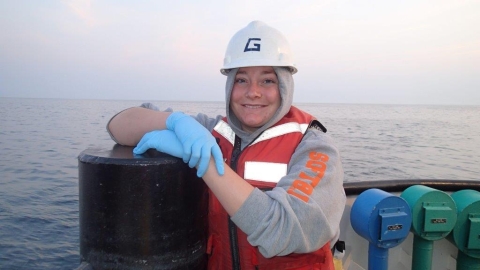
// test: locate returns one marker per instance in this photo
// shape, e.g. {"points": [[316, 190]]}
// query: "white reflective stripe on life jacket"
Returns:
{"points": [[265, 171], [281, 130], [226, 131]]}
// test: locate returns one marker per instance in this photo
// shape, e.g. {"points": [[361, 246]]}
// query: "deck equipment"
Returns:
{"points": [[384, 220], [466, 233], [434, 215]]}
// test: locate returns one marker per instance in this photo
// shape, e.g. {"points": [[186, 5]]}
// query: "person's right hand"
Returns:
{"points": [[198, 143], [164, 141]]}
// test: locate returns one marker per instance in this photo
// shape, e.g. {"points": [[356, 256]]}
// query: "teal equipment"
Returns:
{"points": [[466, 233], [384, 220], [434, 215]]}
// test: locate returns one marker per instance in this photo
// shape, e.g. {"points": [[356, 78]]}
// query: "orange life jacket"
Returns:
{"points": [[228, 247]]}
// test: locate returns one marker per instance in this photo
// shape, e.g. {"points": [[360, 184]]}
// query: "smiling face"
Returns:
{"points": [[255, 96]]}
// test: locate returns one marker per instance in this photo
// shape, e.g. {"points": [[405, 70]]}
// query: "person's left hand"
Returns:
{"points": [[164, 141], [199, 145]]}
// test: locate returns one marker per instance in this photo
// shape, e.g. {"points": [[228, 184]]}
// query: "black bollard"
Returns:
{"points": [[148, 212]]}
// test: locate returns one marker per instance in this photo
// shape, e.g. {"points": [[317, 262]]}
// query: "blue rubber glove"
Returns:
{"points": [[164, 141], [198, 143]]}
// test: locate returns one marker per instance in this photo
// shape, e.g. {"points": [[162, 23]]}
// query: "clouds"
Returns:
{"points": [[83, 9], [388, 52]]}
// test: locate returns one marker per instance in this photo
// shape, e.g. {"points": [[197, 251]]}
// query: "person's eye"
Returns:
{"points": [[240, 80], [269, 81]]}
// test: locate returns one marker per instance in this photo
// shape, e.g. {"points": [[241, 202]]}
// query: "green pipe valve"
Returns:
{"points": [[434, 215], [466, 233]]}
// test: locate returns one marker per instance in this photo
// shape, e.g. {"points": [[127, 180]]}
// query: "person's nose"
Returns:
{"points": [[254, 91]]}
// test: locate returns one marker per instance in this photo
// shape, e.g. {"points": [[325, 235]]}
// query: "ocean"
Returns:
{"points": [[40, 140]]}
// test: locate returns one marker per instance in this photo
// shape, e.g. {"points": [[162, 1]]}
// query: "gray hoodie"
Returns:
{"points": [[285, 87]]}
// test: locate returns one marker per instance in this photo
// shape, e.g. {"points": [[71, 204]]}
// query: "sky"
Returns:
{"points": [[370, 51]]}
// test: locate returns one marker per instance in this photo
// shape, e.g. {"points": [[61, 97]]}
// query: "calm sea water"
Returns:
{"points": [[40, 140]]}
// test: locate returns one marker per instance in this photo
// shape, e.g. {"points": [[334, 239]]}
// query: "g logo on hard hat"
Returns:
{"points": [[256, 46]]}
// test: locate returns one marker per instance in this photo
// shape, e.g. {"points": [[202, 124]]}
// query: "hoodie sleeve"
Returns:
{"points": [[291, 218]]}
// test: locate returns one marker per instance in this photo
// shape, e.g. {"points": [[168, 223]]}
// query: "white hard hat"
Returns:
{"points": [[258, 45]]}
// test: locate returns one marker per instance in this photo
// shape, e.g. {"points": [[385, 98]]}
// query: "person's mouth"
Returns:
{"points": [[252, 106]]}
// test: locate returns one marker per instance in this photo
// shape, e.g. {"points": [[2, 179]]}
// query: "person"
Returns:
{"points": [[275, 177]]}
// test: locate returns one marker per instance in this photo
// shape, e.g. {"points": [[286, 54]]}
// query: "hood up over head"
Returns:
{"points": [[285, 86]]}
